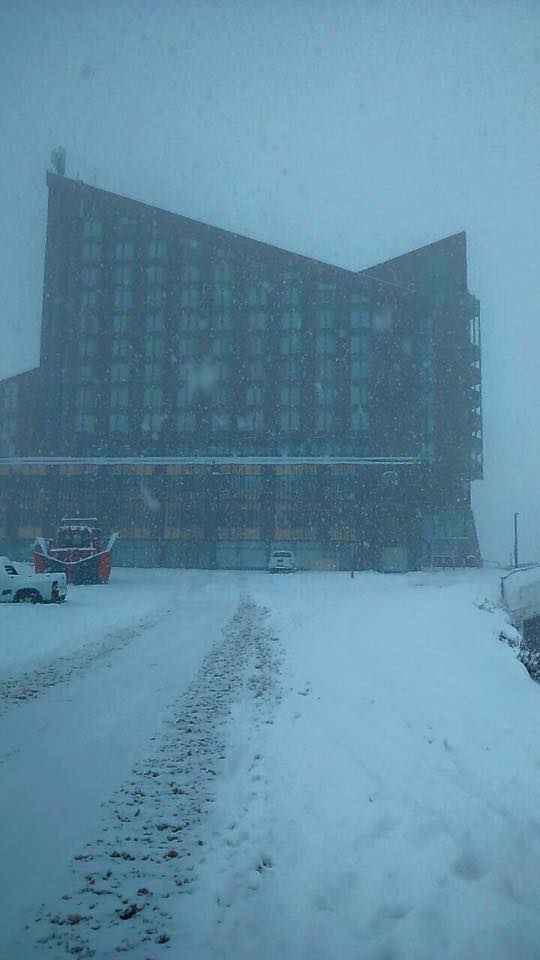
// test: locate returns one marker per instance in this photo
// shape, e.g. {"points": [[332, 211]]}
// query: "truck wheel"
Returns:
{"points": [[28, 596]]}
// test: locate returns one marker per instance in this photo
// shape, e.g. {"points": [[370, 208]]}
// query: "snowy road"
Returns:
{"points": [[235, 766]]}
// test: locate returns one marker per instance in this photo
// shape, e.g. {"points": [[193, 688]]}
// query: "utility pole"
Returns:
{"points": [[516, 553]]}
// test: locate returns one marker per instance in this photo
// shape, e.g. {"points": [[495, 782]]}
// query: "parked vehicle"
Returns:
{"points": [[18, 587], [77, 551], [282, 561]]}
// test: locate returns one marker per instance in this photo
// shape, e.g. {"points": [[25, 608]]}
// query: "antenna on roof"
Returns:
{"points": [[58, 160]]}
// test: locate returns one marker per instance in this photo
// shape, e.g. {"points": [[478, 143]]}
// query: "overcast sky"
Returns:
{"points": [[347, 131]]}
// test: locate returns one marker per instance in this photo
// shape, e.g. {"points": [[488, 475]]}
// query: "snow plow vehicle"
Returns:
{"points": [[18, 587], [77, 551]]}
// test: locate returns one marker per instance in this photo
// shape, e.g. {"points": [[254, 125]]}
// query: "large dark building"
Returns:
{"points": [[213, 396]]}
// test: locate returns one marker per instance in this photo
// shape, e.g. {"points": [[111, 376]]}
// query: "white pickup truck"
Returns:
{"points": [[18, 587]]}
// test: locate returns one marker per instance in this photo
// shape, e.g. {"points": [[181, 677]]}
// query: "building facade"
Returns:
{"points": [[213, 396]]}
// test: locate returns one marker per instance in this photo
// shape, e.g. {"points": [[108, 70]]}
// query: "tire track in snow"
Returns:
{"points": [[127, 881], [33, 683]]}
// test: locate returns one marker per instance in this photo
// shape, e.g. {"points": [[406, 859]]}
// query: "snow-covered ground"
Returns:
{"points": [[229, 765]]}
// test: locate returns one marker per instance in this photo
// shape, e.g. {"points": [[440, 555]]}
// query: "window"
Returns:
{"points": [[154, 348], [155, 274], [359, 318], [118, 423], [87, 373], [358, 419], [292, 293], [289, 420], [123, 298], [123, 276], [89, 277], [256, 321], [157, 250], [359, 369], [85, 398], [121, 348], [290, 395], [85, 423], [223, 322], [326, 293], [190, 274], [93, 229], [220, 421], [222, 296], [325, 420], [152, 397], [290, 343], [254, 395], [153, 372], [358, 343], [154, 323], [186, 421], [290, 369], [325, 319], [291, 320], [383, 320], [325, 343], [257, 294], [120, 323], [119, 372], [256, 345], [187, 347], [223, 272], [155, 296], [91, 252], [88, 300], [124, 250], [255, 370], [190, 297], [221, 346], [119, 398], [88, 323], [151, 422], [251, 421], [87, 349]]}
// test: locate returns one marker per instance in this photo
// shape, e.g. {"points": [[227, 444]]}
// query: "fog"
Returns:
{"points": [[347, 131]]}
